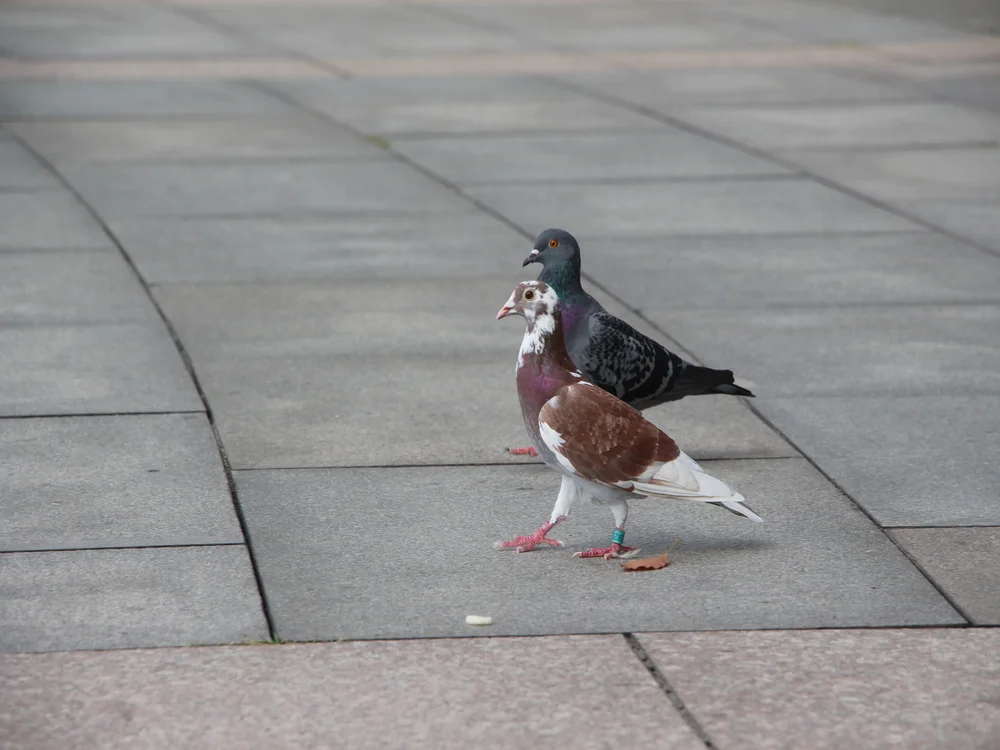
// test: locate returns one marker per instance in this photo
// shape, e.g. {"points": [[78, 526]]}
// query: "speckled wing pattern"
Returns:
{"points": [[626, 363], [601, 438]]}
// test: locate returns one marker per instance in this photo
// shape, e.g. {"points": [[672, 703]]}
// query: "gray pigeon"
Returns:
{"points": [[611, 353]]}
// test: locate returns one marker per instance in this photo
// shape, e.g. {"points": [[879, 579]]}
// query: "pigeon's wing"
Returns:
{"points": [[624, 362], [598, 437]]}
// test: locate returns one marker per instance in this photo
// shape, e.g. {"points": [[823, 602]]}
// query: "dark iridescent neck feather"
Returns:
{"points": [[564, 278]]}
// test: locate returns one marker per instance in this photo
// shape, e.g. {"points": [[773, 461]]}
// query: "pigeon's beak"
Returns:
{"points": [[505, 311], [533, 258]]}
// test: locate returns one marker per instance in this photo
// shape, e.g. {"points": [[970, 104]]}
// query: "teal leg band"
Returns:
{"points": [[618, 536]]}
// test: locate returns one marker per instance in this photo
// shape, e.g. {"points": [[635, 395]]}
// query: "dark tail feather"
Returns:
{"points": [[698, 381]]}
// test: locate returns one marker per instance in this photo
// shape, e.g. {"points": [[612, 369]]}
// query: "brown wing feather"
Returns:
{"points": [[604, 438]]}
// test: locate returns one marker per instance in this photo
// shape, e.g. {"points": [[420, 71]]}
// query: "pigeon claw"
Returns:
{"points": [[529, 451], [529, 542], [614, 552]]}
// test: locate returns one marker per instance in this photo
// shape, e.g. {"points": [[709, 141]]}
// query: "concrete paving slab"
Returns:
{"points": [[978, 220], [371, 695], [396, 107], [21, 170], [269, 188], [769, 206], [365, 30], [355, 373], [878, 450], [391, 246], [92, 369], [617, 26], [268, 138], [74, 287], [904, 175], [862, 351], [424, 543], [153, 99], [841, 126], [128, 598], [411, 382], [124, 481], [568, 157], [116, 30], [835, 23], [665, 90], [767, 271], [827, 690], [965, 563], [31, 221]]}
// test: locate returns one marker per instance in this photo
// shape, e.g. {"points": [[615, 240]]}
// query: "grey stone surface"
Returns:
{"points": [[152, 99], [392, 246], [423, 376], [383, 553], [965, 563], [365, 30], [21, 170], [265, 138], [832, 22], [919, 689], [118, 30], [355, 373], [123, 481], [128, 598], [468, 104], [845, 127], [371, 695], [902, 175], [927, 461], [977, 220], [621, 26], [270, 188], [92, 369], [665, 90], [769, 271], [569, 157], [51, 288], [858, 351], [47, 220], [739, 207]]}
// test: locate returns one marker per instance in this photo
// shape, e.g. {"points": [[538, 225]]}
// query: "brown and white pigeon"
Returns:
{"points": [[605, 449]]}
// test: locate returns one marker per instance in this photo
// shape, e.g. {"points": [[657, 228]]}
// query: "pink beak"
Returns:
{"points": [[504, 312]]}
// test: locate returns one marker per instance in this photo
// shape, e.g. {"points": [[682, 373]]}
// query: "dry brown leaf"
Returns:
{"points": [[650, 563]]}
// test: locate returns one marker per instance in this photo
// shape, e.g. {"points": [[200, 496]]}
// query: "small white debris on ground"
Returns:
{"points": [[478, 620]]}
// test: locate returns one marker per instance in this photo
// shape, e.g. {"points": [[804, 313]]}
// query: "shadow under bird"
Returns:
{"points": [[608, 351], [605, 449]]}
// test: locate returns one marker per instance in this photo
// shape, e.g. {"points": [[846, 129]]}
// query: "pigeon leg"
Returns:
{"points": [[529, 451], [617, 549], [568, 493]]}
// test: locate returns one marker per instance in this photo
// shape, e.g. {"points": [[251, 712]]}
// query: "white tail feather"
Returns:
{"points": [[709, 489]]}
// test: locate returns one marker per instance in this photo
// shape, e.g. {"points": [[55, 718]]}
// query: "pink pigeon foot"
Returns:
{"points": [[529, 451], [608, 553], [527, 543]]}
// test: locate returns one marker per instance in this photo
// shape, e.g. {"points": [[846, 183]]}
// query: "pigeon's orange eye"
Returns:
{"points": [[553, 243], [529, 295]]}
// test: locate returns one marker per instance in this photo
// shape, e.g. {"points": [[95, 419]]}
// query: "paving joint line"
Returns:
{"points": [[671, 693], [120, 547], [77, 415], [204, 19], [189, 366], [761, 153]]}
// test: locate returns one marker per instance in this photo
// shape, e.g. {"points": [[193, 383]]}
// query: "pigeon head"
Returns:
{"points": [[554, 247], [532, 300]]}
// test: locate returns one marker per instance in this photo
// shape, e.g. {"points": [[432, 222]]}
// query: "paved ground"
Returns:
{"points": [[251, 388]]}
